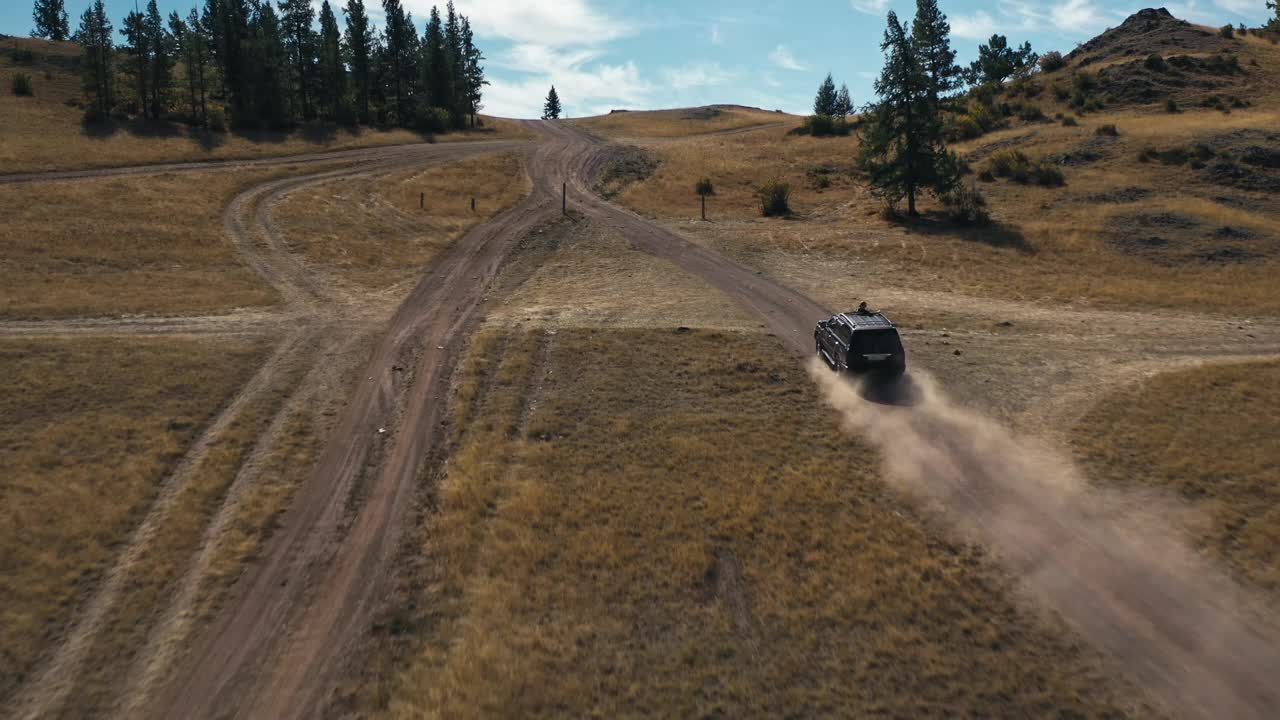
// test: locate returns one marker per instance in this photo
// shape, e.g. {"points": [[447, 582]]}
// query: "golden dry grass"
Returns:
{"points": [[111, 246], [681, 121], [652, 542], [88, 429], [44, 132], [1050, 244], [370, 231], [1209, 435]]}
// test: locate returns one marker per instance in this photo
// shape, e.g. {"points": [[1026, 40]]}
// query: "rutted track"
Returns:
{"points": [[279, 648]]}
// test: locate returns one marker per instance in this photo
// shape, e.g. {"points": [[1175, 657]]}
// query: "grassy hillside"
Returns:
{"points": [[681, 122], [44, 131]]}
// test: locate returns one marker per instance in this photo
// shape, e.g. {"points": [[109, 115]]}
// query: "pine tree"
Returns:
{"points": [[844, 103], [400, 40], [212, 22], [138, 51], [296, 19], [269, 81], [997, 62], [931, 37], [902, 152], [51, 20], [360, 54], [332, 73], [233, 23], [473, 75], [95, 39], [196, 52], [551, 109], [1274, 24], [435, 64], [457, 63], [825, 102], [160, 65]]}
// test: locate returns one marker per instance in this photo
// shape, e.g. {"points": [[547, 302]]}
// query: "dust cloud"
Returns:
{"points": [[1120, 575]]}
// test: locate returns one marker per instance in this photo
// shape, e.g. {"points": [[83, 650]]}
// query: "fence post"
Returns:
{"points": [[473, 204], [422, 198], [564, 198], [704, 206]]}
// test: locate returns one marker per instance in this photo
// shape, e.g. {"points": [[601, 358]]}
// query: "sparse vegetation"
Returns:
{"points": [[966, 206], [1107, 130], [1052, 61], [1069, 121], [21, 85], [775, 199], [1016, 166], [823, 126]]}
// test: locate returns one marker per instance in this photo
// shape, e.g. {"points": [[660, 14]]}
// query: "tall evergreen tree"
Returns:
{"points": [[825, 102], [51, 20], [455, 58], [235, 55], [296, 19], [138, 63], [400, 41], [332, 72], [998, 62], [551, 108], [359, 39], [1274, 23], [844, 103], [473, 75], [212, 22], [435, 63], [193, 47], [931, 37], [97, 46], [160, 61], [269, 81], [902, 152]]}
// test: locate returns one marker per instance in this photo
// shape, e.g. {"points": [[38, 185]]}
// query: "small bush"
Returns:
{"points": [[1155, 63], [703, 187], [1108, 130], [966, 206], [431, 120], [775, 199], [1171, 105], [1084, 81], [1060, 92], [1051, 61], [1069, 121], [1227, 31], [1030, 113], [1093, 104], [22, 85], [823, 126], [23, 56], [986, 176], [1016, 166], [217, 119], [963, 127]]}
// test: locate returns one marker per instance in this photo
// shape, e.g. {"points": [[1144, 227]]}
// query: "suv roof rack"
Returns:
{"points": [[876, 321]]}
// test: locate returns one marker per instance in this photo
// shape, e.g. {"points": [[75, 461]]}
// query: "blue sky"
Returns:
{"points": [[605, 54]]}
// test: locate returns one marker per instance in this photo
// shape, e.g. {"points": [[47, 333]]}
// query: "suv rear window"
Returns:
{"points": [[868, 342]]}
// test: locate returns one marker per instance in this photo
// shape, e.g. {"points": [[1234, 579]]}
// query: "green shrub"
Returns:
{"points": [[703, 187], [1030, 113], [1093, 104], [431, 120], [966, 206], [1171, 105], [823, 126], [22, 84], [1109, 130], [775, 199], [217, 119], [23, 56], [1154, 63], [1051, 61], [986, 176], [1016, 166], [1069, 121], [1060, 92], [1084, 81], [1227, 31], [963, 127]]}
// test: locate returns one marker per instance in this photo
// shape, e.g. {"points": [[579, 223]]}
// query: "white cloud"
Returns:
{"points": [[715, 35], [1078, 15], [783, 58], [871, 7], [978, 26], [553, 24], [1239, 7], [697, 75]]}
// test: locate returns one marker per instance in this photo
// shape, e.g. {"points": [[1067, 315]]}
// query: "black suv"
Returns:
{"points": [[862, 342]]}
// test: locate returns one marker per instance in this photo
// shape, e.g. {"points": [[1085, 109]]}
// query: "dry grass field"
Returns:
{"points": [[85, 447], [1207, 434], [371, 232], [681, 122], [623, 529], [126, 245], [45, 132]]}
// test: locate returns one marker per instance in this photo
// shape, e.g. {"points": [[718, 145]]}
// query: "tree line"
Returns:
{"points": [[269, 65]]}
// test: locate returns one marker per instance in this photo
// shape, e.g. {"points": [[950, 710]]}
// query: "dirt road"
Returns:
{"points": [[279, 647]]}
